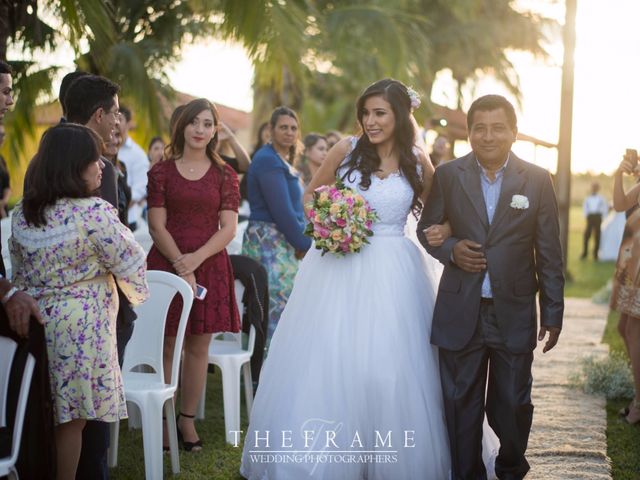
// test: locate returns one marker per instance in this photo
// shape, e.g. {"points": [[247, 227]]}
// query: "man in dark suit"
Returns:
{"points": [[92, 101], [503, 248]]}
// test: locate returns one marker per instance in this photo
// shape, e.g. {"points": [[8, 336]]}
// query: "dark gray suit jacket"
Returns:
{"points": [[522, 248]]}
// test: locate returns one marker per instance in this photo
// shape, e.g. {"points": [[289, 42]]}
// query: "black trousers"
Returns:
{"points": [[95, 435], [594, 221], [508, 401]]}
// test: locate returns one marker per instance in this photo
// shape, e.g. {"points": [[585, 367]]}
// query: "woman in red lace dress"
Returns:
{"points": [[193, 201]]}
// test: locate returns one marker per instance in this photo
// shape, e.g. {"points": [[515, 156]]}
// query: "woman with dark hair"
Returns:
{"points": [[314, 153], [263, 137], [274, 236], [155, 152], [68, 251], [193, 202], [333, 137], [352, 346]]}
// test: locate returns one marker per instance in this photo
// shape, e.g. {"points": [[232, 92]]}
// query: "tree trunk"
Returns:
{"points": [[563, 176]]}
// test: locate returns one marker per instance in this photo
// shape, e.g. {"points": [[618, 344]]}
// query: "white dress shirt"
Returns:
{"points": [[595, 204], [137, 163]]}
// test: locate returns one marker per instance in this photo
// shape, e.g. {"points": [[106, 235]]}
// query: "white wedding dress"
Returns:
{"points": [[351, 363]]}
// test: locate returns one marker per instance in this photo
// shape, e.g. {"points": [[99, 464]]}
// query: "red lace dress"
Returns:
{"points": [[193, 208]]}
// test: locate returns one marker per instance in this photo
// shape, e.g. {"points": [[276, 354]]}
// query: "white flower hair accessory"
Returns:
{"points": [[414, 98], [519, 202]]}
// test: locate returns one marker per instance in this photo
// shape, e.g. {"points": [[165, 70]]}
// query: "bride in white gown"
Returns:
{"points": [[351, 387]]}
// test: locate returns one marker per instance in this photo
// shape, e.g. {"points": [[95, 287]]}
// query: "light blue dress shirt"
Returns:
{"points": [[491, 194]]}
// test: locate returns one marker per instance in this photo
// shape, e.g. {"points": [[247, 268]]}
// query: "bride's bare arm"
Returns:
{"points": [[436, 234], [326, 174]]}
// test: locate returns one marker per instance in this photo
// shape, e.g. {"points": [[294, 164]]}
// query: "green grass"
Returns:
{"points": [[623, 441], [217, 460], [585, 277]]}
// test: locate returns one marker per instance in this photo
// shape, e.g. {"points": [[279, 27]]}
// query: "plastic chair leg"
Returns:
{"points": [[170, 413], [114, 432], [134, 421], [231, 397], [152, 439], [248, 388]]}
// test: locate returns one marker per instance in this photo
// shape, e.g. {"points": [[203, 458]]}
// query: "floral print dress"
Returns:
{"points": [[68, 266]]}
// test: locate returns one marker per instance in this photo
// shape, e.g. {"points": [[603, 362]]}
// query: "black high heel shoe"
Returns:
{"points": [[187, 446]]}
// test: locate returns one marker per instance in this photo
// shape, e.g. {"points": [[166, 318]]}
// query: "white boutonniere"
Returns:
{"points": [[519, 202]]}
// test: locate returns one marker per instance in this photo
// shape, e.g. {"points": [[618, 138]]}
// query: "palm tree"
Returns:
{"points": [[314, 55], [317, 55], [129, 41]]}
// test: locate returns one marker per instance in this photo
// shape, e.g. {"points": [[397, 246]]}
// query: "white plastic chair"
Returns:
{"points": [[7, 351], [225, 351], [147, 389]]}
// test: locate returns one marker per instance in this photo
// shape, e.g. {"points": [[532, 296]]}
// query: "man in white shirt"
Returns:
{"points": [[595, 208], [137, 163]]}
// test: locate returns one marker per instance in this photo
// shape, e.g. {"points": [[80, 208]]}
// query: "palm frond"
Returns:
{"points": [[30, 87]]}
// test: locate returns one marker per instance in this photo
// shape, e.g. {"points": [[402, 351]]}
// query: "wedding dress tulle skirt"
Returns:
{"points": [[350, 388]]}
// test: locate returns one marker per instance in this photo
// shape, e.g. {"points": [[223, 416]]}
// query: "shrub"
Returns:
{"points": [[609, 376]]}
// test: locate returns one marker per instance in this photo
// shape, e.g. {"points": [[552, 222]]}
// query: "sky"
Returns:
{"points": [[606, 96]]}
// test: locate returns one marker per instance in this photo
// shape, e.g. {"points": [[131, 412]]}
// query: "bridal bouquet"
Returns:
{"points": [[340, 219]]}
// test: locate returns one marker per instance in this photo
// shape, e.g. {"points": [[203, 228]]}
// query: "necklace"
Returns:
{"points": [[190, 169]]}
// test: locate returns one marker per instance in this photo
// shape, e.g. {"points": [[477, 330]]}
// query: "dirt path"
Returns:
{"points": [[568, 438]]}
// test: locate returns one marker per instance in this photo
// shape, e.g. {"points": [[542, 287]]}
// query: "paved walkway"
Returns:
{"points": [[568, 438]]}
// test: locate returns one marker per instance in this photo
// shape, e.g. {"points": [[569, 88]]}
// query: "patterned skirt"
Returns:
{"points": [[266, 244], [625, 296]]}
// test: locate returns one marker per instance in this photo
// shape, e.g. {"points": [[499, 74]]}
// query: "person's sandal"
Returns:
{"points": [[187, 446]]}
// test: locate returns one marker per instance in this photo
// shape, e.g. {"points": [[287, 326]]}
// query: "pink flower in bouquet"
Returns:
{"points": [[340, 219], [324, 232]]}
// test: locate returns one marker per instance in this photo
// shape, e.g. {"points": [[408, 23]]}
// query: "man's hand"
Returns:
{"points": [[554, 333], [19, 309], [467, 256]]}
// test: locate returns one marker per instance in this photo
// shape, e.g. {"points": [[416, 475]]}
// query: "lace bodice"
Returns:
{"points": [[390, 197]]}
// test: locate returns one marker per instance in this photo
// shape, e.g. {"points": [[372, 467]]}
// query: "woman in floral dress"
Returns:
{"points": [[68, 250]]}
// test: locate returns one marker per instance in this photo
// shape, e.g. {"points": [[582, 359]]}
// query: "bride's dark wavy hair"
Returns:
{"points": [[364, 157]]}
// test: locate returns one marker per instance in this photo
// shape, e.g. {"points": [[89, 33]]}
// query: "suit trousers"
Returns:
{"points": [[508, 401], [594, 220]]}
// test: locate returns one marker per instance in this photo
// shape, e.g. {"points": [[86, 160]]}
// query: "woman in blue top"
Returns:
{"points": [[274, 235]]}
